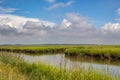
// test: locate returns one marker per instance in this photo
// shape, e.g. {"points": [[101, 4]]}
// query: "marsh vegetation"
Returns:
{"points": [[12, 64]]}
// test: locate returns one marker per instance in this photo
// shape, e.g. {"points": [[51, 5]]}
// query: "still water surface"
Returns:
{"points": [[60, 60]]}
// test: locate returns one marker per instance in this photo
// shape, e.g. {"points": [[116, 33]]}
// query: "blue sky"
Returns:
{"points": [[98, 11], [60, 21]]}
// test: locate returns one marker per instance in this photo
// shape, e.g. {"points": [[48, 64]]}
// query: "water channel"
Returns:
{"points": [[60, 60]]}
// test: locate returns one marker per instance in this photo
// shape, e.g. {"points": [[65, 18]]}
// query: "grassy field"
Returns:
{"points": [[15, 68], [34, 49], [111, 52], [96, 52]]}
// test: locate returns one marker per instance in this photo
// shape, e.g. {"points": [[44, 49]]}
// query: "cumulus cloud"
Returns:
{"points": [[109, 33], [77, 29], [112, 27], [78, 21], [73, 29], [65, 24], [17, 26], [59, 4]]}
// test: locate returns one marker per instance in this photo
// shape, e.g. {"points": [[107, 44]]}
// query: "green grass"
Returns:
{"points": [[7, 72], [33, 49], [39, 71], [95, 51]]}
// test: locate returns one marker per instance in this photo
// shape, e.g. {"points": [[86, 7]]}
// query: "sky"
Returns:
{"points": [[59, 21]]}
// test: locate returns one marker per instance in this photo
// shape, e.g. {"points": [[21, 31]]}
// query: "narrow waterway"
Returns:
{"points": [[60, 60]]}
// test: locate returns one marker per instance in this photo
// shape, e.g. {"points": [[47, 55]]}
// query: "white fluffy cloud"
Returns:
{"points": [[77, 29], [73, 29], [112, 27], [12, 26], [59, 4], [65, 24], [109, 33]]}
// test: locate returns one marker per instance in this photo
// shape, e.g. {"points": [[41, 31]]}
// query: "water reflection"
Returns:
{"points": [[60, 60]]}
